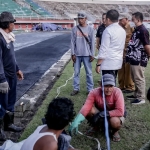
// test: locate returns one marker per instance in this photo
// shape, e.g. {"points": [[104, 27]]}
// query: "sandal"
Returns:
{"points": [[116, 138]]}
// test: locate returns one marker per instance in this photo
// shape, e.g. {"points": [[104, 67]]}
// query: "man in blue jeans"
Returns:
{"points": [[82, 50]]}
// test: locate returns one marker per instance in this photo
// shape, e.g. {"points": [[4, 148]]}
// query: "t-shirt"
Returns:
{"points": [[100, 30], [136, 53], [115, 102], [8, 66], [79, 45]]}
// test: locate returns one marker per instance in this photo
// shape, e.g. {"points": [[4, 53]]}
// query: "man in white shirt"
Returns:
{"points": [[110, 56]]}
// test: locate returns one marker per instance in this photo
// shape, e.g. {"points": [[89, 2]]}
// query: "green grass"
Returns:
{"points": [[135, 132]]}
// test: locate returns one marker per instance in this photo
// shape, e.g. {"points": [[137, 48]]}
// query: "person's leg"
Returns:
{"points": [[129, 84], [9, 115], [121, 76], [89, 76], [139, 80], [76, 79], [115, 124], [3, 105]]}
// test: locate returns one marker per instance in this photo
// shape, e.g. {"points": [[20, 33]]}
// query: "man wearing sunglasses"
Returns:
{"points": [[82, 50], [9, 71]]}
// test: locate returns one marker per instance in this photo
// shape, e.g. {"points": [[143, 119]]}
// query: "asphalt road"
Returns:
{"points": [[35, 59]]}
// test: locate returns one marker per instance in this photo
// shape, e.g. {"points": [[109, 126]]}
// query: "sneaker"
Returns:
{"points": [[128, 91], [130, 97], [137, 102], [74, 92]]}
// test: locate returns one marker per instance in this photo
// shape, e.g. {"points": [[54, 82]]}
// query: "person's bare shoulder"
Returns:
{"points": [[46, 142]]}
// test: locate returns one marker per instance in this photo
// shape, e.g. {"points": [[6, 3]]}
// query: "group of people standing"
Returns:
{"points": [[123, 51]]}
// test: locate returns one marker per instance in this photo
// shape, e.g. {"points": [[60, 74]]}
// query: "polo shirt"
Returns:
{"points": [[136, 54]]}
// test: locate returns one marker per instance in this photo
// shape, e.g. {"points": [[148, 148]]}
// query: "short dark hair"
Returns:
{"points": [[59, 113], [113, 15], [138, 15], [4, 25], [103, 14]]}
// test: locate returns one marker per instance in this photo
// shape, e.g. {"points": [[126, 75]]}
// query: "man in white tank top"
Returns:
{"points": [[59, 113]]}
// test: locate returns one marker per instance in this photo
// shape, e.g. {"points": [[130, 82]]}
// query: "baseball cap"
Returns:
{"points": [[7, 17], [124, 15], [82, 15], [108, 79]]}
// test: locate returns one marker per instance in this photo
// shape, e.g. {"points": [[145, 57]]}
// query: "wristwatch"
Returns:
{"points": [[98, 64]]}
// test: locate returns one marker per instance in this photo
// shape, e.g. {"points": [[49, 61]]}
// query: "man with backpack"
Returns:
{"points": [[82, 50]]}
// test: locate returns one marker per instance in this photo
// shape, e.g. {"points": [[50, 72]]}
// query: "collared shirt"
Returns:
{"points": [[79, 45], [115, 102], [112, 46], [135, 51], [100, 31]]}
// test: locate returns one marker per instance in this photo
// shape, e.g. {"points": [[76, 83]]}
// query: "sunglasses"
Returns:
{"points": [[81, 15]]}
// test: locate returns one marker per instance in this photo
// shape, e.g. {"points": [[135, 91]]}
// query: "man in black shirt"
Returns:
{"points": [[138, 52], [9, 71], [100, 30]]}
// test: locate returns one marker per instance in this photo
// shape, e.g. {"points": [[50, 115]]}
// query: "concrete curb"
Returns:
{"points": [[29, 99]]}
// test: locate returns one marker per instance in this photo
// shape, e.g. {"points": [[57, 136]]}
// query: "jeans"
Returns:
{"points": [[7, 100], [88, 69]]}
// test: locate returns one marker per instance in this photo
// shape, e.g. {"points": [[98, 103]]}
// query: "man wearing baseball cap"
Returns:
{"points": [[9, 71], [82, 50], [93, 109], [124, 74]]}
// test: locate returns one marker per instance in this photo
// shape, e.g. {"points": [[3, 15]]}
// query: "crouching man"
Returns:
{"points": [[93, 109]]}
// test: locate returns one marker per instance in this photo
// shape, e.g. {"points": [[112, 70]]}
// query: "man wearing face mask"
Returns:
{"points": [[110, 56], [124, 74], [93, 109], [138, 53], [100, 31], [82, 50], [8, 75]]}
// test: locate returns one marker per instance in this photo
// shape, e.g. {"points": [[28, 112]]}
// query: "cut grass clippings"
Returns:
{"points": [[135, 132]]}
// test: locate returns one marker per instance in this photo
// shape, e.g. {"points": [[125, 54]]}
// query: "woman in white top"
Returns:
{"points": [[59, 113]]}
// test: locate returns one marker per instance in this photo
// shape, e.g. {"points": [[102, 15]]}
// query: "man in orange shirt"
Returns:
{"points": [[124, 74]]}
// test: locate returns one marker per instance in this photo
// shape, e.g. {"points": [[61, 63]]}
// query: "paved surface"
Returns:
{"points": [[34, 60]]}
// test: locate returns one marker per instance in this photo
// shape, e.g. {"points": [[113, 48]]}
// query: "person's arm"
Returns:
{"points": [[2, 74], [73, 41], [92, 42], [88, 104], [102, 54], [119, 105], [97, 42], [145, 41]]}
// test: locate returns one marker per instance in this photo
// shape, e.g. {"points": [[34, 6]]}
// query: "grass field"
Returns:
{"points": [[134, 134]]}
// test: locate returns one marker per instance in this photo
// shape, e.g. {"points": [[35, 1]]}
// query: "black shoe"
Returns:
{"points": [[9, 123], [74, 92], [2, 133], [127, 91], [130, 97], [138, 102]]}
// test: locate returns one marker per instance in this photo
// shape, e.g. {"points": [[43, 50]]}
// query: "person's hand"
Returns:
{"points": [[93, 121], [73, 57], [20, 75], [4, 87], [97, 69], [91, 58], [73, 128]]}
